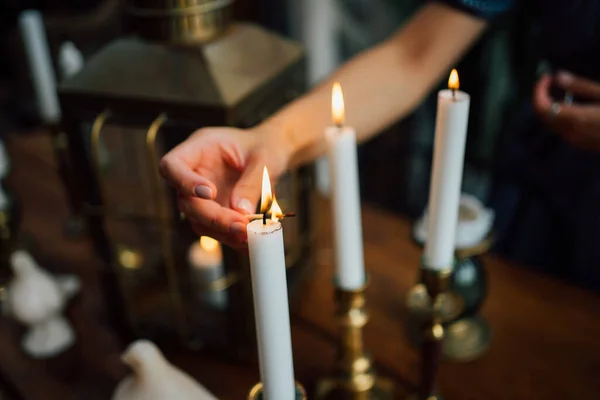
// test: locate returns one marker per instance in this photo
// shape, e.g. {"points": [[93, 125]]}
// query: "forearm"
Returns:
{"points": [[383, 84]]}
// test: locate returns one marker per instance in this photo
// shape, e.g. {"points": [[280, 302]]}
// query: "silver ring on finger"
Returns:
{"points": [[555, 109]]}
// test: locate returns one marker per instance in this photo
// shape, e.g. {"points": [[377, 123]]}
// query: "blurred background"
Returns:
{"points": [[85, 198], [494, 72], [395, 167]]}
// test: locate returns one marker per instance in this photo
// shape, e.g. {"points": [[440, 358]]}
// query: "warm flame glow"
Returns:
{"points": [[453, 82], [337, 104], [266, 196], [275, 211], [268, 203], [208, 243]]}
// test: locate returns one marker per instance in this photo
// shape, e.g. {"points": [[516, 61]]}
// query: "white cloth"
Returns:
{"points": [[474, 223]]}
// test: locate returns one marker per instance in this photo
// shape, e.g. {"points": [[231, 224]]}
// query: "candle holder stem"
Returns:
{"points": [[354, 377], [437, 283]]}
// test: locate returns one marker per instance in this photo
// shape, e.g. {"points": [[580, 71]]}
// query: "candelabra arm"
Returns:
{"points": [[256, 393]]}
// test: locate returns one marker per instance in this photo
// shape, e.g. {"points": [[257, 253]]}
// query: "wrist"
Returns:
{"points": [[278, 140]]}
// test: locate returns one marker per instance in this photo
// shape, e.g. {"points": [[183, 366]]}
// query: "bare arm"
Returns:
{"points": [[217, 171], [383, 84]]}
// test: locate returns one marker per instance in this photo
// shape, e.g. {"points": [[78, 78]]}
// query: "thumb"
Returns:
{"points": [[246, 192]]}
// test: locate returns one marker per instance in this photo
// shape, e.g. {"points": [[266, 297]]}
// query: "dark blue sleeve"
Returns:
{"points": [[485, 9]]}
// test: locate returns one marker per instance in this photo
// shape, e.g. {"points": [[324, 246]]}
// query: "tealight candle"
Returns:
{"points": [[205, 258]]}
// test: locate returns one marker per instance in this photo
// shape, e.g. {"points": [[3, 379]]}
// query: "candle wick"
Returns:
{"points": [[453, 94], [264, 218]]}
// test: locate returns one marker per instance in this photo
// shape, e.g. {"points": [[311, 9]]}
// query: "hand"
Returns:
{"points": [[217, 173], [579, 124]]}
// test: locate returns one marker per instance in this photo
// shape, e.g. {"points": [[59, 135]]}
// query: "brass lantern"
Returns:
{"points": [[140, 96]]}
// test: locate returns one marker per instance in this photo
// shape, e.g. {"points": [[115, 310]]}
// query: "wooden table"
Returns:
{"points": [[545, 333]]}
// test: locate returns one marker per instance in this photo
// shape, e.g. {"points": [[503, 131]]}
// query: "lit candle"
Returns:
{"points": [[345, 193], [40, 64], [446, 174], [269, 288], [205, 257], [206, 254]]}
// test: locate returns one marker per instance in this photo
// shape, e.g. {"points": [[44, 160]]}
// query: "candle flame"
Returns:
{"points": [[337, 104], [275, 210], [266, 197], [209, 244], [268, 202], [453, 82], [130, 259]]}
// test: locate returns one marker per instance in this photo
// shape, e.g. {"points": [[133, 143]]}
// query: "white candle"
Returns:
{"points": [[269, 288], [40, 64], [446, 175], [205, 257], [206, 254], [345, 193]]}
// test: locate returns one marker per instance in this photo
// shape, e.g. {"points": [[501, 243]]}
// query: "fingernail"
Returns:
{"points": [[245, 205], [564, 77], [203, 192], [237, 228]]}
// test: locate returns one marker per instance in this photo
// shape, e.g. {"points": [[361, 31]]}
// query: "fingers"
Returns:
{"points": [[580, 125], [235, 242], [213, 217], [184, 179], [246, 192], [542, 101], [558, 116], [579, 86], [577, 124]]}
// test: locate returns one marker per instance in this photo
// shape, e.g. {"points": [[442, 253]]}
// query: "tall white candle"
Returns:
{"points": [[345, 194], [40, 64], [446, 175], [269, 288]]}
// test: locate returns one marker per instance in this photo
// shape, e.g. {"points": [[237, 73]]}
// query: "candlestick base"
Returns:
{"points": [[335, 389], [256, 392], [467, 338]]}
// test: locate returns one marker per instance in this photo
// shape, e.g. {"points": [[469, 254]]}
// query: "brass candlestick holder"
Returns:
{"points": [[467, 335], [437, 284], [256, 392], [354, 377]]}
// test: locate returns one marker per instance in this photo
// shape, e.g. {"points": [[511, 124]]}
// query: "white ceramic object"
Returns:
{"points": [[474, 223], [155, 378], [36, 299], [70, 59]]}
